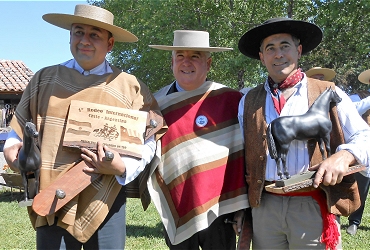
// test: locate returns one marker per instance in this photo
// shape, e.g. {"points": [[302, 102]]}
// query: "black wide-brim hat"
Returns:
{"points": [[310, 35]]}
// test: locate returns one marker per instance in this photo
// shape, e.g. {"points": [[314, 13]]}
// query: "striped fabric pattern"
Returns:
{"points": [[46, 102], [201, 173]]}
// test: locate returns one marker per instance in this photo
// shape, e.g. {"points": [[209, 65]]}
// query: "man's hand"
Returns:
{"points": [[97, 163], [238, 217], [331, 170], [11, 155]]}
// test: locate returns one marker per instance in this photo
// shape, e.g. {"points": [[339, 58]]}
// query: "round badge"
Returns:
{"points": [[201, 121]]}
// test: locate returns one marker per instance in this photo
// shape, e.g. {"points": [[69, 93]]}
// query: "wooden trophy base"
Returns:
{"points": [[25, 203], [62, 190], [300, 181]]}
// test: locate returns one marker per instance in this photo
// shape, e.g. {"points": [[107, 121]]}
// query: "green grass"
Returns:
{"points": [[144, 229]]}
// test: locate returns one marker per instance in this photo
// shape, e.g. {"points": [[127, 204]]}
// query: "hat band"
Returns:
{"points": [[99, 14], [191, 39]]}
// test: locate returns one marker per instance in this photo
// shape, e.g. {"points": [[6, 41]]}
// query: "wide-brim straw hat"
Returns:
{"points": [[364, 77], [329, 74], [309, 34], [91, 15], [190, 40]]}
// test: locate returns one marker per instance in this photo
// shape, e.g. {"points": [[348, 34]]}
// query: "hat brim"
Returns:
{"points": [[309, 34], [65, 21], [364, 77], [210, 49], [329, 74]]}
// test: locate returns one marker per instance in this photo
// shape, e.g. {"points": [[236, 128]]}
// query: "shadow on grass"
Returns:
{"points": [[361, 227], [144, 231], [9, 195]]}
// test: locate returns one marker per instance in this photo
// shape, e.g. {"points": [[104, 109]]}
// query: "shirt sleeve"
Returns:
{"points": [[241, 114], [355, 130], [135, 166], [12, 139], [363, 105]]}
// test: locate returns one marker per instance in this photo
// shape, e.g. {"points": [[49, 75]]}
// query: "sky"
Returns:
{"points": [[26, 37]]}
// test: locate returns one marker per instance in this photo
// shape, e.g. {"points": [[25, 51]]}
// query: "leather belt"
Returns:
{"points": [[306, 189]]}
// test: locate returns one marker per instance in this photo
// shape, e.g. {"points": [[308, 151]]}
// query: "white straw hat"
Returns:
{"points": [[190, 40], [364, 77], [91, 15], [329, 74]]}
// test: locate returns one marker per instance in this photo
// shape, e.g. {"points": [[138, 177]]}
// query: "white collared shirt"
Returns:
{"points": [[101, 69], [355, 129], [133, 166], [362, 105]]}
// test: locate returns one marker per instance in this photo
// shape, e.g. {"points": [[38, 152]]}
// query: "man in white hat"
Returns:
{"points": [[288, 221], [361, 99], [323, 74], [95, 217], [198, 188]]}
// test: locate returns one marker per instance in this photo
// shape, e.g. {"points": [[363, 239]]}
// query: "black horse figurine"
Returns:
{"points": [[314, 124], [29, 158]]}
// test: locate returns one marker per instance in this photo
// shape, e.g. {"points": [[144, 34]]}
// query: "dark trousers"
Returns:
{"points": [[110, 235], [217, 236], [363, 188]]}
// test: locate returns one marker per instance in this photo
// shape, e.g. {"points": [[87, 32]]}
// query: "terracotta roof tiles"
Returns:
{"points": [[14, 76]]}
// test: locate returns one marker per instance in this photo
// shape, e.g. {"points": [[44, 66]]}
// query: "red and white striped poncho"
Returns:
{"points": [[201, 173]]}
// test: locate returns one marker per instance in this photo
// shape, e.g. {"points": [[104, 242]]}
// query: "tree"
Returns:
{"points": [[345, 47]]}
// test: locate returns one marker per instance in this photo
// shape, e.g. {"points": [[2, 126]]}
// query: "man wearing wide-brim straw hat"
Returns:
{"points": [[324, 74], [93, 218], [287, 221], [361, 99], [198, 188]]}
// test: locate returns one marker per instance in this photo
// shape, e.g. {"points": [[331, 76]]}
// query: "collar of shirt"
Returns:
{"points": [[101, 69], [293, 106], [298, 86], [178, 87]]}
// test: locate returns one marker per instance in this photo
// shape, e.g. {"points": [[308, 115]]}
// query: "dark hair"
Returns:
{"points": [[109, 34], [295, 39]]}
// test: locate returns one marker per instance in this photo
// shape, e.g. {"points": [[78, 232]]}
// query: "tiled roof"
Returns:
{"points": [[14, 76]]}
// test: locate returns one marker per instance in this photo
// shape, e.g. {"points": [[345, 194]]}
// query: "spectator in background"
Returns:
{"points": [[323, 74], [361, 99]]}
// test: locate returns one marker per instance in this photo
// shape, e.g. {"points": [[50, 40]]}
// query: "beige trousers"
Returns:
{"points": [[288, 222]]}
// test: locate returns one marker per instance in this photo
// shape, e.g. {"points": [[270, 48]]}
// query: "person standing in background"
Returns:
{"points": [[361, 99], [323, 74]]}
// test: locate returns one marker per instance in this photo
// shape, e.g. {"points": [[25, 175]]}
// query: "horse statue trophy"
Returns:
{"points": [[29, 160], [314, 124]]}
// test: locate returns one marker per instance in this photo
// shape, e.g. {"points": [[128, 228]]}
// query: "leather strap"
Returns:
{"points": [[245, 236]]}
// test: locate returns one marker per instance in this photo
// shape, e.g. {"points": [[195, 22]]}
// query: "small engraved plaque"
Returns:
{"points": [[120, 129]]}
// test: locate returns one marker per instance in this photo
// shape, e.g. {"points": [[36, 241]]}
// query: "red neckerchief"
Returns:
{"points": [[277, 98]]}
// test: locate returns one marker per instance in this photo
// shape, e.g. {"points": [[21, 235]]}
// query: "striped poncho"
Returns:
{"points": [[46, 102], [201, 174]]}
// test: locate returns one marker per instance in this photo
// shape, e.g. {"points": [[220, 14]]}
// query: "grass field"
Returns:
{"points": [[144, 229]]}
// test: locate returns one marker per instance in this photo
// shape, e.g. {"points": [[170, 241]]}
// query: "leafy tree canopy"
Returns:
{"points": [[345, 46]]}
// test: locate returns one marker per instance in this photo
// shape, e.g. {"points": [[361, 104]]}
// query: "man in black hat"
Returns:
{"points": [[304, 218]]}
